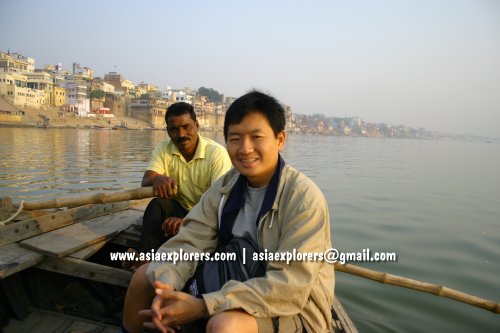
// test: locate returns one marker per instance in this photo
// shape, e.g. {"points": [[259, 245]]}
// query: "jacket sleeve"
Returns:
{"points": [[285, 288], [198, 234]]}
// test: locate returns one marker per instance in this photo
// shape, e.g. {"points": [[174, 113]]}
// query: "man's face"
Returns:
{"points": [[183, 132], [253, 148]]}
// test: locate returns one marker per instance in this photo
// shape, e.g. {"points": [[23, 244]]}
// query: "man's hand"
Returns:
{"points": [[171, 308], [154, 312], [164, 187], [171, 226]]}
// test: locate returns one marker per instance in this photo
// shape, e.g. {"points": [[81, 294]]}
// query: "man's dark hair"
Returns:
{"points": [[178, 109], [255, 101]]}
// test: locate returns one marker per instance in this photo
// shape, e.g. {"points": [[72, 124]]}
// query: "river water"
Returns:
{"points": [[435, 203]]}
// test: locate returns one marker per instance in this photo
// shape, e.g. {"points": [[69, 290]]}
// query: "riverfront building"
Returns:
{"points": [[78, 93]]}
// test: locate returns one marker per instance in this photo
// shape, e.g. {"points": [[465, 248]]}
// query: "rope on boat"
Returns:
{"points": [[4, 222]]}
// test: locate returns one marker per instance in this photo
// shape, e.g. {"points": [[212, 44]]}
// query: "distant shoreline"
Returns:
{"points": [[85, 125]]}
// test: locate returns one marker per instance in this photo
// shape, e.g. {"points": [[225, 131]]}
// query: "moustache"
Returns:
{"points": [[183, 139]]}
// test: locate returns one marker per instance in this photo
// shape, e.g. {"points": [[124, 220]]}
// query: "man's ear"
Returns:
{"points": [[281, 140]]}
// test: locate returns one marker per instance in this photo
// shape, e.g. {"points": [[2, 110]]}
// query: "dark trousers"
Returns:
{"points": [[152, 237]]}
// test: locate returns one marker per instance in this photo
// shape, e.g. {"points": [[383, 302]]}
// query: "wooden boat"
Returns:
{"points": [[47, 252]]}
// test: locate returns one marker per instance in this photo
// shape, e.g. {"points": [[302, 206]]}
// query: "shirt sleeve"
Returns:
{"points": [[159, 159], [221, 163]]}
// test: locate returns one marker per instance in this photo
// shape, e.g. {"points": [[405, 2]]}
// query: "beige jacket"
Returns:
{"points": [[299, 219]]}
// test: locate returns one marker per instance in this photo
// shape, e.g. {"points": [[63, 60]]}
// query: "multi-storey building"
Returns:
{"points": [[178, 95], [14, 68], [199, 103], [119, 82], [150, 110], [42, 81], [58, 96], [99, 84], [14, 88], [76, 97], [17, 61], [138, 92], [118, 104], [147, 87], [291, 125], [82, 73]]}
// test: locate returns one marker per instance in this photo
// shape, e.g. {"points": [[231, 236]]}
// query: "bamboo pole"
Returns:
{"points": [[385, 278], [98, 198], [419, 285]]}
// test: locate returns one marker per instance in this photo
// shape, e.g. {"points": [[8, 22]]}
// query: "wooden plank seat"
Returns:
{"points": [[64, 241], [14, 258], [21, 230], [64, 249]]}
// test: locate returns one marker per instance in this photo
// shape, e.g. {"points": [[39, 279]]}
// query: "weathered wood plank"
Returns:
{"points": [[16, 296], [8, 213], [129, 237], [14, 258], [38, 322], [25, 215], [43, 321], [345, 321], [131, 231], [87, 270], [118, 240], [142, 203], [38, 225], [88, 251], [6, 202], [141, 207], [64, 241], [83, 326], [4, 213]]}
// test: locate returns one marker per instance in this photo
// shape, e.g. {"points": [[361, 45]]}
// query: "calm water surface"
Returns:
{"points": [[436, 204]]}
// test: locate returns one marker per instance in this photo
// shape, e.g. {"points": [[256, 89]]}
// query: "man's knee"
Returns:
{"points": [[154, 208], [157, 211], [140, 282], [231, 322], [140, 293], [161, 206], [152, 235]]}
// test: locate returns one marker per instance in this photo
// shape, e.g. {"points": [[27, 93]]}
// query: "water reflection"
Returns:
{"points": [[39, 163], [434, 203]]}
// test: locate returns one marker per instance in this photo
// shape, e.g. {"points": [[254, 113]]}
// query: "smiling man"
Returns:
{"points": [[181, 170], [273, 207]]}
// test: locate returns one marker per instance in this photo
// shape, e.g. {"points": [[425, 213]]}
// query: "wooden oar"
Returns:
{"points": [[419, 285], [98, 198]]}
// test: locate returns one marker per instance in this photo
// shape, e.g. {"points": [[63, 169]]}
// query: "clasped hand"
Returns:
{"points": [[171, 308]]}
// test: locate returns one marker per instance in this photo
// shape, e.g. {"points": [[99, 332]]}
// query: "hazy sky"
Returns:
{"points": [[432, 64]]}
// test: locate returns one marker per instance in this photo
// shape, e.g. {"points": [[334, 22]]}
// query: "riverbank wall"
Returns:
{"points": [[53, 117]]}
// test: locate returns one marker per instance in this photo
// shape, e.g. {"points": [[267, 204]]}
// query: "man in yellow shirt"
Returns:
{"points": [[181, 170]]}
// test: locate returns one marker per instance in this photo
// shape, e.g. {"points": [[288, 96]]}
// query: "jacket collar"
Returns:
{"points": [[236, 201]]}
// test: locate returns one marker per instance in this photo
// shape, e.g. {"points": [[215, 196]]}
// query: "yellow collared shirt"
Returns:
{"points": [[210, 161]]}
